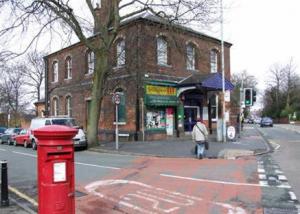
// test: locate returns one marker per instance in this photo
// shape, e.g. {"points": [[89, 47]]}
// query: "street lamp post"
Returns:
{"points": [[223, 72]]}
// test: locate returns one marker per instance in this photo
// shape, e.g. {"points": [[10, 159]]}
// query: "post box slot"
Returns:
{"points": [[61, 155]]}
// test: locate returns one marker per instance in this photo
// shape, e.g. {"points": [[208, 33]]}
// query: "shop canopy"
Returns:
{"points": [[212, 81]]}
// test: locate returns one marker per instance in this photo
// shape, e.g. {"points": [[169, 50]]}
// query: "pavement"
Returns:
{"points": [[250, 143]]}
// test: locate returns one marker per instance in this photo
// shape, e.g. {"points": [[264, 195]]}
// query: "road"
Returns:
{"points": [[286, 155], [111, 183]]}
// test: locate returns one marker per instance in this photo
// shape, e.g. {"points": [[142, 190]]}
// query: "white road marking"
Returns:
{"points": [[78, 163], [282, 178], [262, 176], [209, 181], [277, 171], [261, 183], [276, 145], [293, 196], [261, 170], [25, 154], [3, 150], [169, 200], [98, 166]]}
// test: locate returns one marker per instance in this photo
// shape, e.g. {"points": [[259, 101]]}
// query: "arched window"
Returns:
{"points": [[68, 68], [55, 106], [90, 62], [121, 106], [68, 106], [162, 51], [213, 61], [190, 57], [121, 54], [55, 71]]}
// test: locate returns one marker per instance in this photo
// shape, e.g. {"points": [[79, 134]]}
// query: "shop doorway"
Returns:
{"points": [[190, 117]]}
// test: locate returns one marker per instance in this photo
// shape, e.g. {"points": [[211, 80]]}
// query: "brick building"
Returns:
{"points": [[167, 76]]}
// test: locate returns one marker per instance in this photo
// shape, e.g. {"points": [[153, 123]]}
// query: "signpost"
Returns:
{"points": [[116, 100]]}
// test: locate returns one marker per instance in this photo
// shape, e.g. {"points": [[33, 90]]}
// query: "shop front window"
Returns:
{"points": [[156, 119]]}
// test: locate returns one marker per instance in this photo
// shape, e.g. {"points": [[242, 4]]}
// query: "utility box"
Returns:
{"points": [[56, 182]]}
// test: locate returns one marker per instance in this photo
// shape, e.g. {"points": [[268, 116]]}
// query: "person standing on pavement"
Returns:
{"points": [[199, 136]]}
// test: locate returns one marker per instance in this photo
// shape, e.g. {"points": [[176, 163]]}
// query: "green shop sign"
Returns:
{"points": [[160, 95]]}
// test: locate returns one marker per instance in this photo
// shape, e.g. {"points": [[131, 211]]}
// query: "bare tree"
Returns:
{"points": [[13, 93], [61, 17], [35, 73]]}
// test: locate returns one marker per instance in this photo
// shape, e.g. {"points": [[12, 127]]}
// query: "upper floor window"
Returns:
{"points": [[90, 62], [213, 61], [55, 106], [68, 67], [69, 106], [190, 57], [162, 51], [55, 71], [121, 54]]}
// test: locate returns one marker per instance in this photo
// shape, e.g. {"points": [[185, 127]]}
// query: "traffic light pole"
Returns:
{"points": [[241, 107]]}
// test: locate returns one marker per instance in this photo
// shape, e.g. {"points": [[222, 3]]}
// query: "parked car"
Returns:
{"points": [[79, 140], [257, 120], [2, 130], [266, 121], [22, 139], [8, 134]]}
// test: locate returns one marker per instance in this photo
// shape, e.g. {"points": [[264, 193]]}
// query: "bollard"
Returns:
{"points": [[4, 184], [56, 182]]}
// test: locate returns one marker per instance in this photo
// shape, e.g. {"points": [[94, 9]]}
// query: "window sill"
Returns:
{"points": [[165, 65], [120, 123], [118, 67], [54, 82], [193, 70], [66, 79], [88, 74]]}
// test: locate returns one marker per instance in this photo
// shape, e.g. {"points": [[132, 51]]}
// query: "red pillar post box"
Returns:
{"points": [[56, 191]]}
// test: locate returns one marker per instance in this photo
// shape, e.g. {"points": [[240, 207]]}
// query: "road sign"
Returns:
{"points": [[231, 132], [116, 99]]}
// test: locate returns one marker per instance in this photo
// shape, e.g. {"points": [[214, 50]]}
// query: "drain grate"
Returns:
{"points": [[79, 194]]}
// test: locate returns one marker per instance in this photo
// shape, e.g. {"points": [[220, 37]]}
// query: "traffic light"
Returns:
{"points": [[253, 97], [248, 96]]}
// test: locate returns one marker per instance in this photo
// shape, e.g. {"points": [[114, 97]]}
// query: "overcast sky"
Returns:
{"points": [[263, 32]]}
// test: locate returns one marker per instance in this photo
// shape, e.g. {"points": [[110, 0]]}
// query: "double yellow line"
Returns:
{"points": [[24, 196]]}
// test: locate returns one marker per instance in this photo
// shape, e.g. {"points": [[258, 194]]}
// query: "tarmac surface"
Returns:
{"points": [[148, 153]]}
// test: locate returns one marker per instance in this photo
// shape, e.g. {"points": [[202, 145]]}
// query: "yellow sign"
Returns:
{"points": [[160, 90]]}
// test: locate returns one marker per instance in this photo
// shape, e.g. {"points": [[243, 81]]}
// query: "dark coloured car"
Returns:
{"points": [[8, 134], [266, 121], [2, 130]]}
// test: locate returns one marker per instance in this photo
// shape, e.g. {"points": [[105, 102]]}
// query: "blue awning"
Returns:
{"points": [[212, 81], [215, 82]]}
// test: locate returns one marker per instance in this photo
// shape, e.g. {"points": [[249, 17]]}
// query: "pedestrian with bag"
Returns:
{"points": [[199, 136]]}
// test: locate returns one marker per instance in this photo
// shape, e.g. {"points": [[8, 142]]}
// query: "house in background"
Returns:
{"points": [[167, 77], [40, 108]]}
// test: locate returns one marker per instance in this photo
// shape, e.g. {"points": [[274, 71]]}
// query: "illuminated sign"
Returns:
{"points": [[160, 90]]}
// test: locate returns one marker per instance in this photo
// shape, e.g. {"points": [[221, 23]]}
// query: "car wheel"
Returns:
{"points": [[25, 144], [34, 146]]}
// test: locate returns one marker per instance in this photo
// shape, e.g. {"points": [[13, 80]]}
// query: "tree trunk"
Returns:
{"points": [[97, 96]]}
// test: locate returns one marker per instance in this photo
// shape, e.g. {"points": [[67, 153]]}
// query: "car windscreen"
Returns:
{"points": [[64, 122], [2, 130], [24, 131], [267, 120], [9, 131]]}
